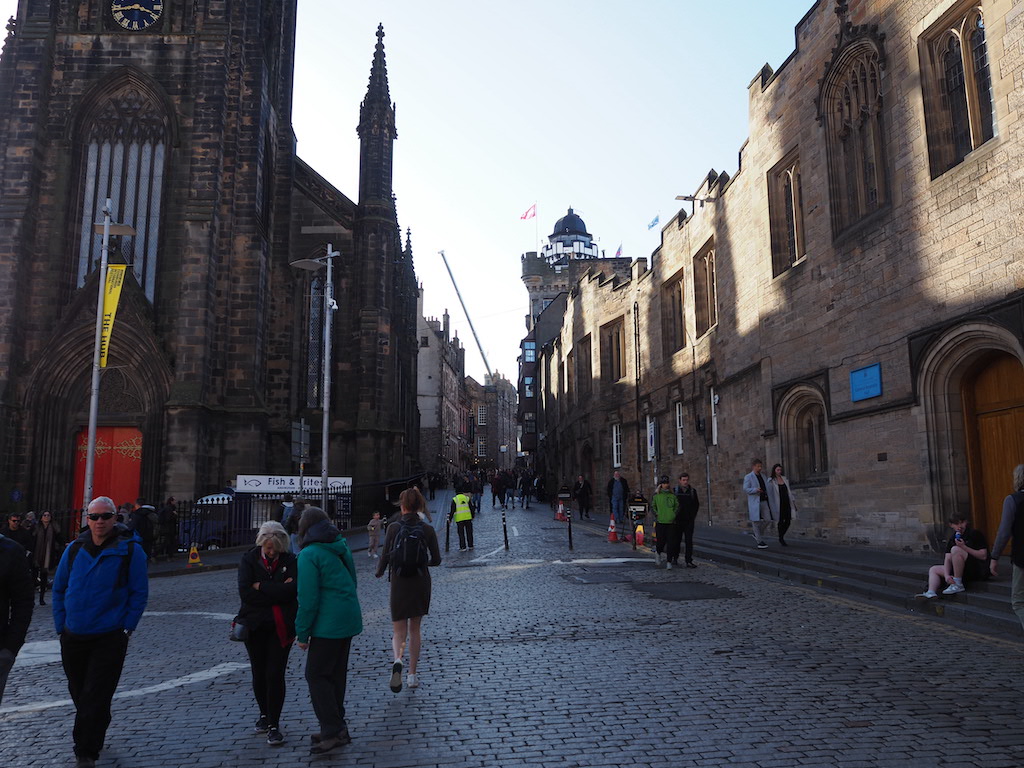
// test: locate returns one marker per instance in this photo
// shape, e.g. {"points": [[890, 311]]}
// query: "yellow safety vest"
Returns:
{"points": [[462, 511]]}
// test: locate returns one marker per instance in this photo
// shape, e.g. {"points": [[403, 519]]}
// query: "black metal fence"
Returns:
{"points": [[216, 521]]}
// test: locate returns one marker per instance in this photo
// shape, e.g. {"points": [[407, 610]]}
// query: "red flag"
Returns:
{"points": [[530, 213]]}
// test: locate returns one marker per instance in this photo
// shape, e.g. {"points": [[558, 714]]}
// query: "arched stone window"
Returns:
{"points": [[957, 86], [804, 429], [123, 142], [851, 108]]}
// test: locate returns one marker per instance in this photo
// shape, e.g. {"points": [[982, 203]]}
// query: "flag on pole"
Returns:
{"points": [[654, 222], [530, 212], [618, 253], [111, 296]]}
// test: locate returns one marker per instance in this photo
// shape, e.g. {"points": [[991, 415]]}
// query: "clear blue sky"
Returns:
{"points": [[610, 108]]}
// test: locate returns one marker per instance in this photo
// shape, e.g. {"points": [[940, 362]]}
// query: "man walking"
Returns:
{"points": [[99, 594], [760, 513], [1011, 526], [16, 590], [618, 492], [689, 504]]}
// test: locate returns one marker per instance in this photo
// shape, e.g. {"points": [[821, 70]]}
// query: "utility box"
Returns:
{"points": [[637, 507]]}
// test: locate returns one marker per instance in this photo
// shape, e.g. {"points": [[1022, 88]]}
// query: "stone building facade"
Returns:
{"points": [[442, 397], [849, 303], [494, 432], [181, 113]]}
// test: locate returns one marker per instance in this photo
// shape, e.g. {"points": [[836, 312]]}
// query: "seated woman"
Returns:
{"points": [[965, 560]]}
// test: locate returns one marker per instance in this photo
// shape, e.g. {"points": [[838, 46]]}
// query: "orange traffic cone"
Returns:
{"points": [[560, 512], [612, 535], [639, 535], [193, 557]]}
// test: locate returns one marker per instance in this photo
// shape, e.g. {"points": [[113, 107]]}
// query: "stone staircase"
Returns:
{"points": [[889, 579]]}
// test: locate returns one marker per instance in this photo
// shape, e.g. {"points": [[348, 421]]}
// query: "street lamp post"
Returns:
{"points": [[314, 265], [106, 229]]}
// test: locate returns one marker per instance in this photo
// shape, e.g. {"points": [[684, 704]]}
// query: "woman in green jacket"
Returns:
{"points": [[329, 617]]}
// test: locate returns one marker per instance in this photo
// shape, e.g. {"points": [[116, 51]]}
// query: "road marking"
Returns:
{"points": [[489, 554], [602, 561], [207, 614], [515, 531], [196, 677]]}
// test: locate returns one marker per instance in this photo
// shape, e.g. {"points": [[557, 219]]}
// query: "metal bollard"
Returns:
{"points": [[504, 526], [447, 532], [569, 516]]}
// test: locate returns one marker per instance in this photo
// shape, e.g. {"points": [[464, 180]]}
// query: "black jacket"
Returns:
{"points": [[689, 501], [625, 488], [16, 593], [257, 604]]}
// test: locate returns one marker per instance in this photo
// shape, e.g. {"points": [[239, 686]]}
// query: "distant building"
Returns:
{"points": [[493, 418], [441, 395], [849, 303], [569, 255]]}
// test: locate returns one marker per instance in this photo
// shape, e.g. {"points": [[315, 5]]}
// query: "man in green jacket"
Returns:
{"points": [[329, 617], [666, 507]]}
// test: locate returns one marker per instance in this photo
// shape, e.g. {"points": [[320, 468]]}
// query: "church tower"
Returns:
{"points": [[180, 112]]}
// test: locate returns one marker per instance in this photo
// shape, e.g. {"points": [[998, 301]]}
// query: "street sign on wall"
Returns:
{"points": [[288, 483]]}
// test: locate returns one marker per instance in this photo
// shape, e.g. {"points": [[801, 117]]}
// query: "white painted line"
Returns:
{"points": [[206, 614], [515, 531], [603, 561], [196, 677], [39, 652], [489, 554]]}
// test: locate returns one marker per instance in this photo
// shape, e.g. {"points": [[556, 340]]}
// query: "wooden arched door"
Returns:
{"points": [[993, 397]]}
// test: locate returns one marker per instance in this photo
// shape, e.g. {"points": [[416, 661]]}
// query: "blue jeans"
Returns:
{"points": [[618, 510]]}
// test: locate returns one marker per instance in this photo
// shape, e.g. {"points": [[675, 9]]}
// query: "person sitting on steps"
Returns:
{"points": [[965, 560]]}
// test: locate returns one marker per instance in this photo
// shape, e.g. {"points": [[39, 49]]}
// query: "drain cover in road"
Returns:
{"points": [[686, 590]]}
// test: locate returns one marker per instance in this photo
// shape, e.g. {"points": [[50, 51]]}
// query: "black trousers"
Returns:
{"points": [[667, 540], [44, 580], [93, 665], [269, 663], [327, 677], [465, 528], [785, 520], [685, 523]]}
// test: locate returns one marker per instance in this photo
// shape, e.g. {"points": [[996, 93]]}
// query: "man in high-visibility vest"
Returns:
{"points": [[462, 513]]}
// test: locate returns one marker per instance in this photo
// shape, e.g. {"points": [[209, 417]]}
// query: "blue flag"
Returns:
{"points": [[655, 222]]}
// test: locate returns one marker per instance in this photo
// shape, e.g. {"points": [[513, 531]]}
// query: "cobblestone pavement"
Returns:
{"points": [[542, 657]]}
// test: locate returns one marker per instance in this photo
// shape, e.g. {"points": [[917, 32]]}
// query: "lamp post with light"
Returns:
{"points": [[106, 229], [315, 265]]}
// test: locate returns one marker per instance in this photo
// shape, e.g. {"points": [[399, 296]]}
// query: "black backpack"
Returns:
{"points": [[410, 553]]}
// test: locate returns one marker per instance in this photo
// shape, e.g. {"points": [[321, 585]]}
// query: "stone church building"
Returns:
{"points": [[849, 303], [180, 112]]}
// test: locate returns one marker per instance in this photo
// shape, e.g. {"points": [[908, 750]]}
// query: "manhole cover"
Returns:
{"points": [[604, 577], [679, 591]]}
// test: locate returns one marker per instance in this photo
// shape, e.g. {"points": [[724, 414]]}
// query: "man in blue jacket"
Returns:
{"points": [[99, 594]]}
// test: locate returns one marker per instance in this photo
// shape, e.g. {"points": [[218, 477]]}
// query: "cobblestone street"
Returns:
{"points": [[542, 657]]}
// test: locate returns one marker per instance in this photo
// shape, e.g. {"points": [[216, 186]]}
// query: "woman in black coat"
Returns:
{"points": [[267, 585], [49, 547]]}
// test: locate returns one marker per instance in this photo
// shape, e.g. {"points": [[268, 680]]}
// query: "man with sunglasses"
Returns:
{"points": [[99, 594]]}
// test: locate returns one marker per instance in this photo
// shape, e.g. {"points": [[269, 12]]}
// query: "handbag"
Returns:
{"points": [[239, 632]]}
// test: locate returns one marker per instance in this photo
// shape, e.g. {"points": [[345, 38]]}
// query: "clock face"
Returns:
{"points": [[137, 14]]}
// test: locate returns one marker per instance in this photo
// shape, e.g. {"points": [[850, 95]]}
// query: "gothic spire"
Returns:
{"points": [[376, 136]]}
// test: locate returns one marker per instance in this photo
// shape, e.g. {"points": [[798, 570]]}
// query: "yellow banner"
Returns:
{"points": [[111, 295]]}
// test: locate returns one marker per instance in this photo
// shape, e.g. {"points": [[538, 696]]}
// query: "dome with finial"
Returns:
{"points": [[571, 225]]}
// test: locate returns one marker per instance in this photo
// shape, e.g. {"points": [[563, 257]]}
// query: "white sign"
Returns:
{"points": [[288, 483]]}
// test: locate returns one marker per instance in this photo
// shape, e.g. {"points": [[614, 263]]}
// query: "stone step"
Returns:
{"points": [[985, 607]]}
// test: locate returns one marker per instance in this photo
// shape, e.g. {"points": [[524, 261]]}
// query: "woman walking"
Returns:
{"points": [[410, 548], [780, 499], [49, 547], [267, 585], [329, 617]]}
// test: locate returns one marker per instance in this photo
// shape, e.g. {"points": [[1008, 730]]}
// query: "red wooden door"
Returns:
{"points": [[118, 464]]}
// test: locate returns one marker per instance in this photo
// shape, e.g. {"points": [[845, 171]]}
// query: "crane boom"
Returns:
{"points": [[466, 313]]}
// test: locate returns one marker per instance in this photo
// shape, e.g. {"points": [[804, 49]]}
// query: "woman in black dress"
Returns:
{"points": [[410, 595], [780, 499]]}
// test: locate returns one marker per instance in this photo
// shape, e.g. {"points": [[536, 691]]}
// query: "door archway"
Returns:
{"points": [[993, 396]]}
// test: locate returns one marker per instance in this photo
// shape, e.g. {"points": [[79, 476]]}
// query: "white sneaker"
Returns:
{"points": [[927, 595], [412, 681], [668, 566], [953, 589]]}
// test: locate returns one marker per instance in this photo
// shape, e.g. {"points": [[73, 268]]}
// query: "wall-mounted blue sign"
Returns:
{"points": [[866, 383]]}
